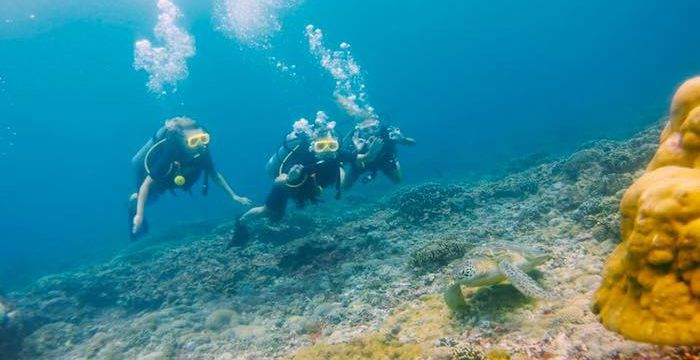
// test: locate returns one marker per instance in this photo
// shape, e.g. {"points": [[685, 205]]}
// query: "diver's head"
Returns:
{"points": [[324, 140], [364, 132], [180, 122], [325, 146], [196, 139], [368, 127]]}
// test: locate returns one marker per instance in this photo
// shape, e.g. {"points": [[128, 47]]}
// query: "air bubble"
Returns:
{"points": [[346, 72], [167, 64]]}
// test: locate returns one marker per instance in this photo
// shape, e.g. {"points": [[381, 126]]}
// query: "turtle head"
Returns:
{"points": [[473, 272]]}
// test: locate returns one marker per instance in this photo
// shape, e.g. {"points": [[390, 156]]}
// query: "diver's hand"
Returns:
{"points": [[295, 174], [281, 179], [138, 222], [375, 147], [242, 200], [408, 141], [397, 136]]}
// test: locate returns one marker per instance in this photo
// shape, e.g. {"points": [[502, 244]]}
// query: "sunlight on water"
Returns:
{"points": [[349, 83], [167, 64]]}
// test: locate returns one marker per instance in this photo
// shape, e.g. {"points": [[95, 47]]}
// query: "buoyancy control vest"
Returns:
{"points": [[163, 161]]}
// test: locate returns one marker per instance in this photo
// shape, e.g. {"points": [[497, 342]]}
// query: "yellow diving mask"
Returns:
{"points": [[195, 141], [326, 145]]}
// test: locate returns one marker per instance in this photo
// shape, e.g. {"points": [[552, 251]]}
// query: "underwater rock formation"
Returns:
{"points": [[651, 287]]}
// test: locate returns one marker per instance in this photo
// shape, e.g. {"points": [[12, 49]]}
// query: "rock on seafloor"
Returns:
{"points": [[359, 278]]}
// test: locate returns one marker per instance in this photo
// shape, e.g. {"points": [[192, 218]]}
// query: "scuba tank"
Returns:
{"points": [[299, 136], [283, 153]]}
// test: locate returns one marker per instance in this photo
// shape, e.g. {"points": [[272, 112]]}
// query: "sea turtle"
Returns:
{"points": [[493, 263]]}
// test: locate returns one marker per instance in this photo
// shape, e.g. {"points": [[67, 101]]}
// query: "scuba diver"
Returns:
{"points": [[309, 161], [174, 158], [374, 146]]}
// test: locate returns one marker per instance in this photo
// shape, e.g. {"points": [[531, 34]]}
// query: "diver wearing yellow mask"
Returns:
{"points": [[312, 164], [175, 158], [374, 146]]}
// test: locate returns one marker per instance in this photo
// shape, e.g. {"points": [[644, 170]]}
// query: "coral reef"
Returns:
{"points": [[680, 139], [340, 277], [437, 253], [651, 288], [428, 203], [463, 352], [651, 291], [407, 334]]}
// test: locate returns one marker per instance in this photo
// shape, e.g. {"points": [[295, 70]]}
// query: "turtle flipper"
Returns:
{"points": [[524, 283], [454, 298]]}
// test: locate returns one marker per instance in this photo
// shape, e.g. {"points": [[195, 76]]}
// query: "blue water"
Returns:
{"points": [[477, 83]]}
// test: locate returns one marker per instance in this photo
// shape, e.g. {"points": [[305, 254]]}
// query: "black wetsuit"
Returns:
{"points": [[315, 176], [167, 160]]}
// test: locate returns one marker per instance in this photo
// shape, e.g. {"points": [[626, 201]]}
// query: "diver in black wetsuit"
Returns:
{"points": [[175, 158], [312, 162], [374, 148]]}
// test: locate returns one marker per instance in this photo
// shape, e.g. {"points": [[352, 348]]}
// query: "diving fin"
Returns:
{"points": [[240, 235]]}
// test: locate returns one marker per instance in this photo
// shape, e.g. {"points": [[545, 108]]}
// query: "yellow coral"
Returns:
{"points": [[651, 286], [680, 140], [650, 292]]}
